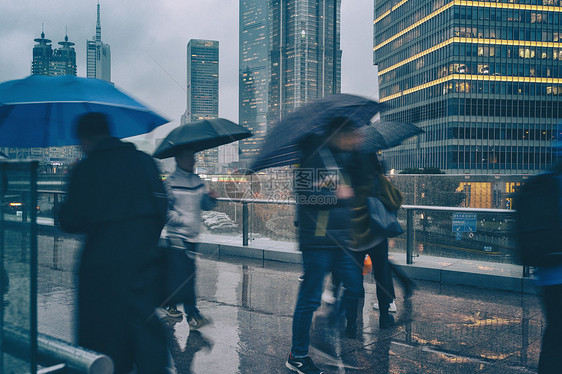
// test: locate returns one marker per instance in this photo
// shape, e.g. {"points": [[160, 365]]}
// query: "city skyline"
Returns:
{"points": [[148, 45]]}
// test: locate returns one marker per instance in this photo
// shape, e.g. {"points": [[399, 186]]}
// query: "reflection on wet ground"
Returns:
{"points": [[441, 329]]}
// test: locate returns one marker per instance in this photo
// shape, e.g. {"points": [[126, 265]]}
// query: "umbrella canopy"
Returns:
{"points": [[40, 111], [201, 135], [387, 134], [281, 146]]}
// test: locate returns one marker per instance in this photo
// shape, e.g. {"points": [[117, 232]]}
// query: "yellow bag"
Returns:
{"points": [[389, 195]]}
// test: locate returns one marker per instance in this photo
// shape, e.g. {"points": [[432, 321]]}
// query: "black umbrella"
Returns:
{"points": [[281, 146], [386, 134], [201, 135]]}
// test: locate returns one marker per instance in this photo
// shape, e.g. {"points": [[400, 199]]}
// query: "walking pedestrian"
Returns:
{"points": [[366, 241], [539, 234], [116, 198], [187, 195], [324, 211]]}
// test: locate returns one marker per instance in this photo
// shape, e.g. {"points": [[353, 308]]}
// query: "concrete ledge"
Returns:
{"points": [[436, 272], [208, 248], [482, 280], [422, 273], [231, 250], [529, 286], [282, 256]]}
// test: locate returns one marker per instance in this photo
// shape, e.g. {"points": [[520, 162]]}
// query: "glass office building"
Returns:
{"points": [[305, 54], [203, 91], [253, 59], [483, 79]]}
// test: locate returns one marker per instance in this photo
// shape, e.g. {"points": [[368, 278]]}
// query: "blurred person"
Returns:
{"points": [[117, 199], [324, 224], [539, 234], [187, 196]]}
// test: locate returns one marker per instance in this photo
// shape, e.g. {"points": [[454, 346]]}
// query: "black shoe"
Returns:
{"points": [[351, 330], [196, 320], [386, 321], [303, 365]]}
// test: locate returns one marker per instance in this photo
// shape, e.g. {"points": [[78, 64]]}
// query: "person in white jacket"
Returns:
{"points": [[187, 196]]}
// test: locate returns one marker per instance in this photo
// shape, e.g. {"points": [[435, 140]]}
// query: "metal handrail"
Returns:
{"points": [[53, 351]]}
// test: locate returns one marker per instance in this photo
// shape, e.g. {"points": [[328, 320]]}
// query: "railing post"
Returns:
{"points": [[526, 271], [409, 236], [245, 223], [56, 209]]}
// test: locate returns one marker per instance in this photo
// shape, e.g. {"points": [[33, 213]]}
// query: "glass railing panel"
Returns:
{"points": [[18, 254]]}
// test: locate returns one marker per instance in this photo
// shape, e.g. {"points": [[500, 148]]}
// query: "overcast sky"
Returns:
{"points": [[148, 42]]}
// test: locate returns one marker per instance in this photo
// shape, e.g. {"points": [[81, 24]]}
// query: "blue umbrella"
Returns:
{"points": [[281, 146], [40, 111]]}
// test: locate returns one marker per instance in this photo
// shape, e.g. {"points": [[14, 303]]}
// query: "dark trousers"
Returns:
{"points": [[181, 274], [550, 360], [317, 263], [118, 294], [382, 272]]}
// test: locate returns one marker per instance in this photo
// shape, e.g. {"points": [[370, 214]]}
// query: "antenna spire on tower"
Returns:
{"points": [[98, 25]]}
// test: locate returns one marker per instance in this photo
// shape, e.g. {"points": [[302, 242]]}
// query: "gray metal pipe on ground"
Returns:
{"points": [[55, 351]]}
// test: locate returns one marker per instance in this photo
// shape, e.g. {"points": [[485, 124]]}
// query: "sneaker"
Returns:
{"points": [[173, 312], [196, 320], [391, 307], [328, 297], [303, 365], [301, 278]]}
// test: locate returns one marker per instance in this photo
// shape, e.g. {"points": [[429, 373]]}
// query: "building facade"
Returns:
{"points": [[46, 61], [98, 56], [483, 79], [304, 53], [253, 81], [203, 92]]}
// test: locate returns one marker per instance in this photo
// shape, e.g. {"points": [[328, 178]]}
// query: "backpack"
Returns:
{"points": [[539, 221]]}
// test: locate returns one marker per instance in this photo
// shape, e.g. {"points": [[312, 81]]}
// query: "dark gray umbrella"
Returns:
{"points": [[201, 135], [386, 134], [281, 146]]}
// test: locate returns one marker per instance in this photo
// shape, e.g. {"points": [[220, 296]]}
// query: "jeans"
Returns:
{"points": [[317, 263], [550, 360]]}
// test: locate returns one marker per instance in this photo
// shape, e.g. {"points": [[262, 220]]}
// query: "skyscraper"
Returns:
{"points": [[98, 55], [46, 61], [202, 79], [42, 52], [305, 55], [253, 65], [63, 60], [203, 90], [484, 79]]}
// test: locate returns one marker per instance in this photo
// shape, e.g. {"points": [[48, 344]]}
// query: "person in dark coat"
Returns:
{"points": [[117, 199], [324, 201]]}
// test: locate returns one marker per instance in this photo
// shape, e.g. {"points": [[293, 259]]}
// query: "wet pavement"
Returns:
{"points": [[441, 329]]}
